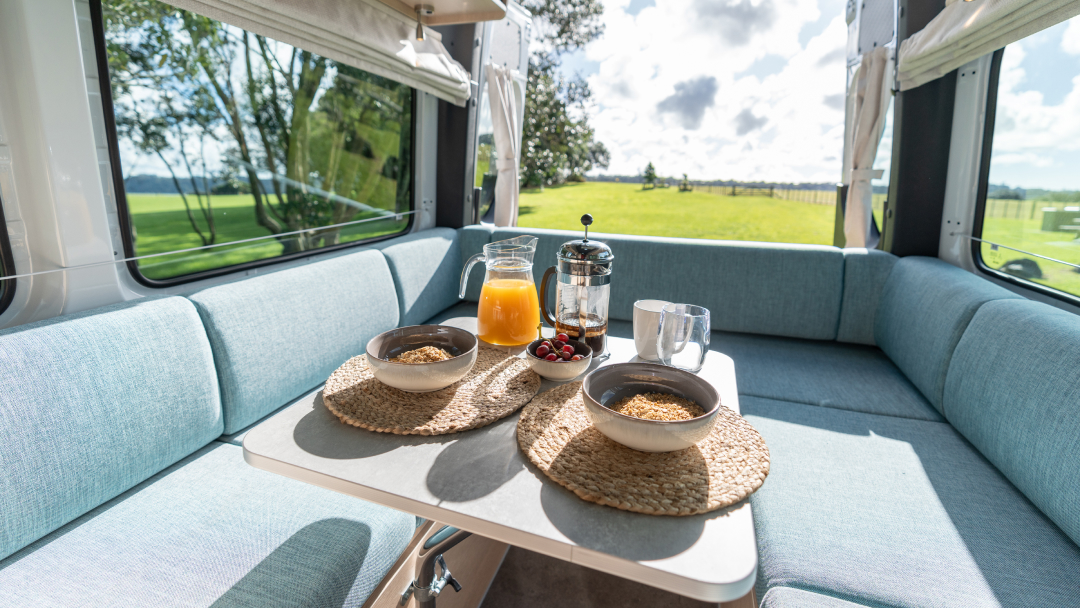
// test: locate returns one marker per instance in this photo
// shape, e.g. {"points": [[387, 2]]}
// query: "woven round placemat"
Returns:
{"points": [[727, 466], [496, 387]]}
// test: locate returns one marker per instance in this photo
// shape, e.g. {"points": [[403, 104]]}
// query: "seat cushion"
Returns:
{"points": [[889, 511], [865, 273], [464, 309], [761, 288], [279, 335], [427, 271], [91, 404], [925, 306], [1013, 390], [787, 597], [828, 374], [472, 239], [213, 531]]}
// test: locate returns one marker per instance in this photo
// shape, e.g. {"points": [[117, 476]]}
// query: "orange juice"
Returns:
{"points": [[509, 312]]}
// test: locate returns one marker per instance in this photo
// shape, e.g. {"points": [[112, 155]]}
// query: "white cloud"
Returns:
{"points": [[653, 105], [1070, 42]]}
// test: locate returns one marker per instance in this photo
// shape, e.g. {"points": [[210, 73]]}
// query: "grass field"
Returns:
{"points": [[162, 225], [627, 209]]}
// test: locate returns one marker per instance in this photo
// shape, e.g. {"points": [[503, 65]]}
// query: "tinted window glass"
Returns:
{"points": [[225, 136], [1033, 195]]}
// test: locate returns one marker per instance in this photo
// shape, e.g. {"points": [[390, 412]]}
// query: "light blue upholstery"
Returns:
{"points": [[472, 239], [761, 288], [427, 270], [464, 309], [213, 531], [865, 273], [91, 404], [925, 306], [279, 335], [829, 374], [787, 597], [1014, 391], [888, 511]]}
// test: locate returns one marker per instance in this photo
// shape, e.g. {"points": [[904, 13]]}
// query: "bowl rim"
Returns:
{"points": [[530, 347], [473, 349], [707, 414]]}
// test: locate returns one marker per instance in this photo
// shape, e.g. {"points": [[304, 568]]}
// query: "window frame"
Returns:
{"points": [[7, 265], [120, 194], [983, 187]]}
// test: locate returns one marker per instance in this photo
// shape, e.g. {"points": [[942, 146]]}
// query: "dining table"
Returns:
{"points": [[479, 481]]}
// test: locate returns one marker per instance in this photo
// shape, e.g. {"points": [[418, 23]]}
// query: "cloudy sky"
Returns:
{"points": [[1037, 131], [720, 89]]}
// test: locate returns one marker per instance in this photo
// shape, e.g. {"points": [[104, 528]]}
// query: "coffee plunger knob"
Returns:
{"points": [[586, 220]]}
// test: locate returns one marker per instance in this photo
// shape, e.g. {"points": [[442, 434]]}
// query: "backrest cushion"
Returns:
{"points": [[279, 335], [94, 403], [1013, 390], [427, 272], [763, 288], [865, 273], [925, 306], [472, 239]]}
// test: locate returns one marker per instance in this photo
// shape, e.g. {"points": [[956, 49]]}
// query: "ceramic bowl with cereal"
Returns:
{"points": [[422, 358], [649, 407]]}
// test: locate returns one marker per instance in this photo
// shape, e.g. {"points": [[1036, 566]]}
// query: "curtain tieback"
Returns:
{"points": [[865, 175], [505, 164]]}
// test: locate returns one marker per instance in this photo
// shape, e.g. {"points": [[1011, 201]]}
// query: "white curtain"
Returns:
{"points": [[362, 33], [964, 31], [507, 131], [868, 102]]}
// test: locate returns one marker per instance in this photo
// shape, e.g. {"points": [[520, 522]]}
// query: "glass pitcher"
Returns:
{"points": [[509, 311]]}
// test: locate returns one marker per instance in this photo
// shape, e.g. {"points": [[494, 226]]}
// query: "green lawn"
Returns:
{"points": [[627, 209], [161, 225], [1026, 234]]}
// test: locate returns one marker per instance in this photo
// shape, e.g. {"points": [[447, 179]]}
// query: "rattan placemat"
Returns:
{"points": [[724, 468], [496, 387]]}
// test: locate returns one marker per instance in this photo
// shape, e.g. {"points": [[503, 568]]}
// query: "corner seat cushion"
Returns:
{"points": [[865, 274], [427, 271], [760, 288], [925, 306], [279, 335], [787, 597], [1013, 390], [828, 374], [213, 531], [888, 511], [93, 403]]}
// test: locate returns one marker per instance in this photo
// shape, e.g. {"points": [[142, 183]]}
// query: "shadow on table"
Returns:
{"points": [[467, 470], [320, 433]]}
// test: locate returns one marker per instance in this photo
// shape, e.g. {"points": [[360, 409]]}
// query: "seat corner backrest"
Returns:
{"points": [[865, 273], [472, 239], [426, 266], [1013, 390], [926, 304], [278, 335], [94, 403]]}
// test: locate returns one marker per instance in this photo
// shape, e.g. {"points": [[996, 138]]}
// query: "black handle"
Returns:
{"points": [[543, 296]]}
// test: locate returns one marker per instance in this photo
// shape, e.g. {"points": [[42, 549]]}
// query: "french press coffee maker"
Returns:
{"points": [[583, 292]]}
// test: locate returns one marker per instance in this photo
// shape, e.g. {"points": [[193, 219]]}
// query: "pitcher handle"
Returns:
{"points": [[550, 272], [465, 274]]}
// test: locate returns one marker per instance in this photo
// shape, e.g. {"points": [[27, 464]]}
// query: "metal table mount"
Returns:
{"points": [[479, 482]]}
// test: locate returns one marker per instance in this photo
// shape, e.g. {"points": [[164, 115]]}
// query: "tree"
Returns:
{"points": [[685, 185], [558, 144], [649, 177]]}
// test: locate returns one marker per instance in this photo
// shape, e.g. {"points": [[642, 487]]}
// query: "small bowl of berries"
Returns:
{"points": [[559, 358]]}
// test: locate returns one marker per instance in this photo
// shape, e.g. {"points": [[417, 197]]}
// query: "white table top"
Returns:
{"points": [[481, 482]]}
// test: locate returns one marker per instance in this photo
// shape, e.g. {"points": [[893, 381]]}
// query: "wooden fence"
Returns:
{"points": [[1021, 210], [816, 197]]}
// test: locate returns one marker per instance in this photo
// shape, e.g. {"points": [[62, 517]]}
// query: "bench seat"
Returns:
{"points": [[888, 511], [212, 531]]}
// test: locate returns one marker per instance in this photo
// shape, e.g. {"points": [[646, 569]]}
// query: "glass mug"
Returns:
{"points": [[682, 339]]}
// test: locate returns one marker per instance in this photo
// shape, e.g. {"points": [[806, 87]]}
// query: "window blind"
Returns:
{"points": [[362, 33], [964, 31]]}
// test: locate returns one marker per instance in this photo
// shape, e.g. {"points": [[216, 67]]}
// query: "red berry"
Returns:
{"points": [[552, 357], [568, 349], [542, 350], [559, 344], [576, 358], [562, 338]]}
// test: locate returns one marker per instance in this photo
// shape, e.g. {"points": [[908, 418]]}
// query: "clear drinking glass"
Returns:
{"points": [[683, 337]]}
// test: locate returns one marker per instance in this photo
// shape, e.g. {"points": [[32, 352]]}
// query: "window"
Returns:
{"points": [[1030, 212], [7, 265], [230, 149]]}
